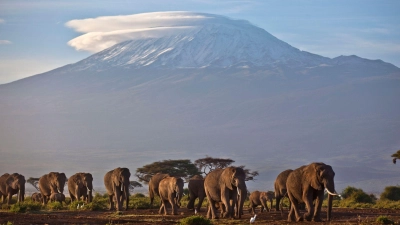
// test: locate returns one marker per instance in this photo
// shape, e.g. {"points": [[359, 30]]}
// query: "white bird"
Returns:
{"points": [[82, 205], [195, 211], [252, 219], [77, 206]]}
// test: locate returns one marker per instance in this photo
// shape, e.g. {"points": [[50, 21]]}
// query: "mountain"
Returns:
{"points": [[223, 88]]}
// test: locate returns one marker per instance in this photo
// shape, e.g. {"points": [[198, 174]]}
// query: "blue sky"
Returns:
{"points": [[34, 35]]}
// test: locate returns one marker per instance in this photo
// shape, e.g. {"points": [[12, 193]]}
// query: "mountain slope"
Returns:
{"points": [[224, 90]]}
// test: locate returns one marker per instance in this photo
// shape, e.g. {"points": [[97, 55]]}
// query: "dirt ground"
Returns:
{"points": [[340, 216]]}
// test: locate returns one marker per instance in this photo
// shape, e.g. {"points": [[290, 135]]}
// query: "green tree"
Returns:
{"points": [[396, 156], [391, 193], [34, 182], [183, 168], [133, 184], [208, 164]]}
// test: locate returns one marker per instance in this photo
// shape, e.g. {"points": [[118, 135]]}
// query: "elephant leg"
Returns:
{"points": [[271, 205], [310, 207], [278, 200], [264, 206], [111, 201], [294, 210], [211, 209], [9, 199], [201, 199], [226, 202], [318, 205]]}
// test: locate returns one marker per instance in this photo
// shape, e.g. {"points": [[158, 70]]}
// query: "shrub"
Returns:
{"points": [[384, 220], [139, 195], [54, 206], [391, 193], [25, 206], [195, 220], [353, 194], [139, 203]]}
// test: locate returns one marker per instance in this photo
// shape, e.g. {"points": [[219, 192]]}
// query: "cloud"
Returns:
{"points": [[2, 20], [5, 42], [103, 32]]}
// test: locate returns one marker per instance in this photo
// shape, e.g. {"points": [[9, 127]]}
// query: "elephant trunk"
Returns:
{"points": [[21, 193], [241, 198], [330, 187], [328, 214], [126, 193]]}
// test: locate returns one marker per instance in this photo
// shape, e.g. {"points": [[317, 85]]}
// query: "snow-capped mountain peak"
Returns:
{"points": [[212, 41]]}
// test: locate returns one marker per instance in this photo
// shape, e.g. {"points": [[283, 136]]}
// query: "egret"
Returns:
{"points": [[82, 205], [77, 206], [195, 211], [252, 219]]}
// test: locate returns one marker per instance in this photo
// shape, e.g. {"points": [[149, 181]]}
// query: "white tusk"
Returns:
{"points": [[238, 190], [177, 194], [330, 192]]}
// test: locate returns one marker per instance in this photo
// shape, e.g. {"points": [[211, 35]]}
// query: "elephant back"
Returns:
{"points": [[154, 183]]}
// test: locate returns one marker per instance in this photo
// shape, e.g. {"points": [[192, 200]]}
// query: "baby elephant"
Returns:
{"points": [[59, 197], [260, 198], [37, 197]]}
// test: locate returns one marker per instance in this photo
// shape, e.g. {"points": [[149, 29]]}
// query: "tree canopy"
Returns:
{"points": [[34, 182], [208, 164], [183, 168], [396, 156]]}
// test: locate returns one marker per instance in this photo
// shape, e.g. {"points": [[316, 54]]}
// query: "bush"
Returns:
{"points": [[391, 193], [139, 195], [384, 220], [54, 206], [139, 203], [25, 206], [195, 220], [356, 195]]}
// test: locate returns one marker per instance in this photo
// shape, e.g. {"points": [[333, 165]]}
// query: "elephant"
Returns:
{"points": [[261, 198], [50, 183], [196, 190], [11, 184], [81, 185], [280, 187], [117, 183], [170, 190], [306, 184], [225, 185], [153, 185], [59, 197], [37, 197]]}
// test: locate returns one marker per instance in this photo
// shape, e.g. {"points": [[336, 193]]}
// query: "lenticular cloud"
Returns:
{"points": [[103, 32]]}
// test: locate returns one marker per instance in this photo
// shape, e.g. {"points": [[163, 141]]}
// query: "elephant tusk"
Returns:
{"points": [[177, 194], [331, 192], [238, 190]]}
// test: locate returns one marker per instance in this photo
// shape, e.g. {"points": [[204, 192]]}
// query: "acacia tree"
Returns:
{"points": [[133, 184], [208, 164], [183, 168], [396, 156], [34, 182]]}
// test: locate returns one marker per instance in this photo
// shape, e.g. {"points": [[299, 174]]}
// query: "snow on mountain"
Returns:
{"points": [[216, 42]]}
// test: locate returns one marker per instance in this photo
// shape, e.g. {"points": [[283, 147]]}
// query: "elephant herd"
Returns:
{"points": [[224, 188]]}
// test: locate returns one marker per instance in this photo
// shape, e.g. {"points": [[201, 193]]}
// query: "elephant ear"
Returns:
{"points": [[312, 173], [10, 181], [116, 176], [76, 179], [229, 177]]}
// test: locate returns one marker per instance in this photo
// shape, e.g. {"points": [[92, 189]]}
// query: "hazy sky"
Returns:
{"points": [[34, 36]]}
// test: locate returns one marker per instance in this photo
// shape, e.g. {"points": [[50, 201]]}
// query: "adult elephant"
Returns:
{"points": [[117, 184], [81, 185], [11, 185], [225, 185], [260, 198], [153, 185], [196, 190], [280, 187], [52, 182], [307, 184], [170, 190]]}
